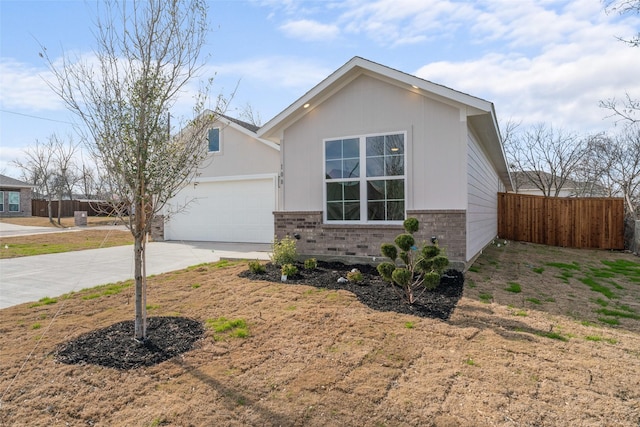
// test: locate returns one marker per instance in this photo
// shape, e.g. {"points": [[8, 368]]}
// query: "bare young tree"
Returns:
{"points": [[147, 52], [544, 157], [624, 154]]}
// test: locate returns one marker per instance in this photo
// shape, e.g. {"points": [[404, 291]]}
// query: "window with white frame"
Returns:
{"points": [[365, 178], [14, 201], [214, 140], [1, 201]]}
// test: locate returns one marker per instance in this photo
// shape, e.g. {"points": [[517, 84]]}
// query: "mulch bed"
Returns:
{"points": [[168, 337], [373, 291], [114, 346]]}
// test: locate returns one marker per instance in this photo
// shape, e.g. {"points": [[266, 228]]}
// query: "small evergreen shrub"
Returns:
{"points": [[256, 267], [310, 264], [289, 270], [283, 251], [412, 268], [355, 276]]}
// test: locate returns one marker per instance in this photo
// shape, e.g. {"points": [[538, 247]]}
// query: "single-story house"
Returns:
{"points": [[15, 197], [370, 146], [529, 182], [235, 193]]}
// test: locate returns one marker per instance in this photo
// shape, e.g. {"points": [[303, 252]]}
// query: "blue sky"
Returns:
{"points": [[537, 60]]}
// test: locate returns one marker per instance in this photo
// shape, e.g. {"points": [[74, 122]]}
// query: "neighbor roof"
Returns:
{"points": [[7, 181]]}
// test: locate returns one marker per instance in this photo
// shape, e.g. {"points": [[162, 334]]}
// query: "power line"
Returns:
{"points": [[35, 117]]}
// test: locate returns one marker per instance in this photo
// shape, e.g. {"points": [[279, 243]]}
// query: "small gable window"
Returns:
{"points": [[365, 178], [214, 140]]}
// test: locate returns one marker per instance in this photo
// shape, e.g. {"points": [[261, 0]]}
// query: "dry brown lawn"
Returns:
{"points": [[557, 353], [38, 244]]}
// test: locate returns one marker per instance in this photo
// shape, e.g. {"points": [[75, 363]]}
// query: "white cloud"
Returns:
{"points": [[24, 87], [308, 30], [278, 71], [562, 86]]}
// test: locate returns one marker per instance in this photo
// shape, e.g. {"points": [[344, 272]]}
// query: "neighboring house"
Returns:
{"points": [[371, 146], [15, 197], [529, 182], [235, 194]]}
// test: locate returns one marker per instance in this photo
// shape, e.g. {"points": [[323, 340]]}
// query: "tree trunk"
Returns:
{"points": [[141, 309]]}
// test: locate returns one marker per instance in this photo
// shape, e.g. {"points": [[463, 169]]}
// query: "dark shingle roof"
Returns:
{"points": [[249, 126], [7, 181]]}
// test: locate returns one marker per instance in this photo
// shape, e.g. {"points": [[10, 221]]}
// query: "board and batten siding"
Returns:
{"points": [[482, 206]]}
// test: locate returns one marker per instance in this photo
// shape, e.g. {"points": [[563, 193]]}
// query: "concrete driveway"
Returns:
{"points": [[29, 279]]}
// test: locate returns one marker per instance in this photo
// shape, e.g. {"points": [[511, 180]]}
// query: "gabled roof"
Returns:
{"points": [[8, 182], [239, 125], [480, 113]]}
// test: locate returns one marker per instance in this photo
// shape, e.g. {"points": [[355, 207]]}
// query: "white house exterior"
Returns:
{"points": [[370, 146], [235, 193]]}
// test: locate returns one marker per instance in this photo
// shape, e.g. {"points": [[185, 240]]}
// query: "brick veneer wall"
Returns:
{"points": [[25, 202], [157, 228], [361, 243]]}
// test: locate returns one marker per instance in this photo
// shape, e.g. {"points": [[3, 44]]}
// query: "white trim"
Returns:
{"points": [[247, 132], [235, 178]]}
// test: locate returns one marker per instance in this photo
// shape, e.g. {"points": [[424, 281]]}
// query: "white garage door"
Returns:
{"points": [[225, 211]]}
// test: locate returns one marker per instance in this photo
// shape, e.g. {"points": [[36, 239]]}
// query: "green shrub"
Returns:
{"points": [[283, 251], [289, 270], [420, 269], [256, 267], [310, 264], [355, 276]]}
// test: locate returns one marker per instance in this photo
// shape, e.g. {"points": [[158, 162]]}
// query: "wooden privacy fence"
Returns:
{"points": [[562, 221], [93, 208]]}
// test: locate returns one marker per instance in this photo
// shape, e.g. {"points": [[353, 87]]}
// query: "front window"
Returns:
{"points": [[14, 201], [365, 178], [1, 201]]}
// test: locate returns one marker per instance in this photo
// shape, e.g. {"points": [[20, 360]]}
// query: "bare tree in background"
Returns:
{"points": [[250, 115], [545, 157], [146, 53], [627, 109], [51, 167]]}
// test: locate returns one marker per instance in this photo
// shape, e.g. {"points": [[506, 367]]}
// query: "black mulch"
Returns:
{"points": [[373, 291], [168, 337], [115, 347]]}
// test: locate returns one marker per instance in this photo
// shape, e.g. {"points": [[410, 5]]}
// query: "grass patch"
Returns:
{"points": [[535, 301], [613, 321], [409, 325], [108, 289], [236, 328], [625, 268], [564, 266], [601, 302], [538, 270], [485, 297], [36, 326], [618, 313], [474, 268], [553, 336], [513, 287], [597, 287], [44, 301], [195, 286]]}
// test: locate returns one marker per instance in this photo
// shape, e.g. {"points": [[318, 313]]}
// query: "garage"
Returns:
{"points": [[225, 210]]}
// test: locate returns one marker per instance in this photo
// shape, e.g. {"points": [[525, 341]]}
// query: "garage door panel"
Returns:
{"points": [[230, 211]]}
